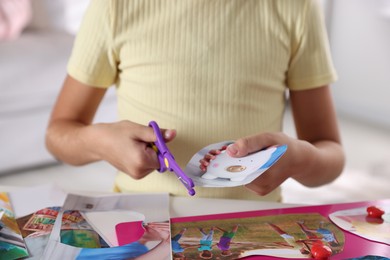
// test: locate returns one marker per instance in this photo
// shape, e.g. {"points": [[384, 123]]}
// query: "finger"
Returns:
{"points": [[250, 144], [168, 134], [144, 133], [203, 168], [147, 134], [146, 160], [209, 157], [215, 152], [204, 162]]}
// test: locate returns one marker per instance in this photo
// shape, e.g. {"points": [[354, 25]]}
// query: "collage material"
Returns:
{"points": [[291, 233], [287, 235], [124, 226], [12, 245], [116, 208], [357, 222], [81, 227], [226, 171]]}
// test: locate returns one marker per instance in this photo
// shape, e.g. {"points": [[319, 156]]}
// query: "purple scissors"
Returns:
{"points": [[167, 161]]}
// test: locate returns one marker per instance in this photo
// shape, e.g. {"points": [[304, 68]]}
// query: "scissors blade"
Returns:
{"points": [[180, 174], [167, 161]]}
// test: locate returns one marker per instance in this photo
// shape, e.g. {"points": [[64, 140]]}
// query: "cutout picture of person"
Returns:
{"points": [[225, 240], [205, 244], [177, 249]]}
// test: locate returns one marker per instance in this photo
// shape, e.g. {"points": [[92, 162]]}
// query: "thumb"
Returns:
{"points": [[147, 134], [144, 133], [237, 149], [245, 146]]}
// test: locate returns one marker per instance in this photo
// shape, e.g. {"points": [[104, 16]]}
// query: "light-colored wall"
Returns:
{"points": [[359, 32]]}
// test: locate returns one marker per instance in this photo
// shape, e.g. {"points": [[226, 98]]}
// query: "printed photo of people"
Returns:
{"points": [[286, 235]]}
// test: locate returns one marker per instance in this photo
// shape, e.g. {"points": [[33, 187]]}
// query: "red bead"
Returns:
{"points": [[320, 251], [375, 212]]}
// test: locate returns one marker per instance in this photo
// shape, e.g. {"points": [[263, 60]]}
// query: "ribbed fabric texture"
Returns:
{"points": [[213, 70]]}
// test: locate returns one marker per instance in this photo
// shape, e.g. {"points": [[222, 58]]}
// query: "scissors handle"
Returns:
{"points": [[159, 146], [167, 161]]}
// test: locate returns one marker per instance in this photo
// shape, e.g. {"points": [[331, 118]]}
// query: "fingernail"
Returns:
{"points": [[167, 133], [232, 149]]}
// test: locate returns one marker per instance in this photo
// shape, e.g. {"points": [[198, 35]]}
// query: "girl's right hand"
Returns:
{"points": [[127, 146]]}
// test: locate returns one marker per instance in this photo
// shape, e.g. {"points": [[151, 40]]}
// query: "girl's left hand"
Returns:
{"points": [[291, 162]]}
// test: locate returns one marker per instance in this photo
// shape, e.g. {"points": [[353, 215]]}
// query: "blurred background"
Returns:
{"points": [[36, 38]]}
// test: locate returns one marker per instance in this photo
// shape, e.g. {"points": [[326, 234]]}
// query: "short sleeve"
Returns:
{"points": [[311, 62], [93, 60]]}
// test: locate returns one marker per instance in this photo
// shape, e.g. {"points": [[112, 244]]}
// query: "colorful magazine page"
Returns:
{"points": [[75, 230], [40, 222], [226, 171], [288, 236], [56, 225], [106, 222], [35, 210], [93, 237], [12, 245], [128, 232], [357, 221], [296, 233]]}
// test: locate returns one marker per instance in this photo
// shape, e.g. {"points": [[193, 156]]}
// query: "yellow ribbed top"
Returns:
{"points": [[214, 70]]}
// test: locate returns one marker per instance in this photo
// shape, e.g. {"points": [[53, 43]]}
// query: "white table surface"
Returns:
{"points": [[183, 206], [193, 206]]}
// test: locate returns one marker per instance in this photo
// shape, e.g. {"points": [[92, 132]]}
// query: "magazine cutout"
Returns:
{"points": [[226, 171], [12, 245], [93, 209], [357, 222]]}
